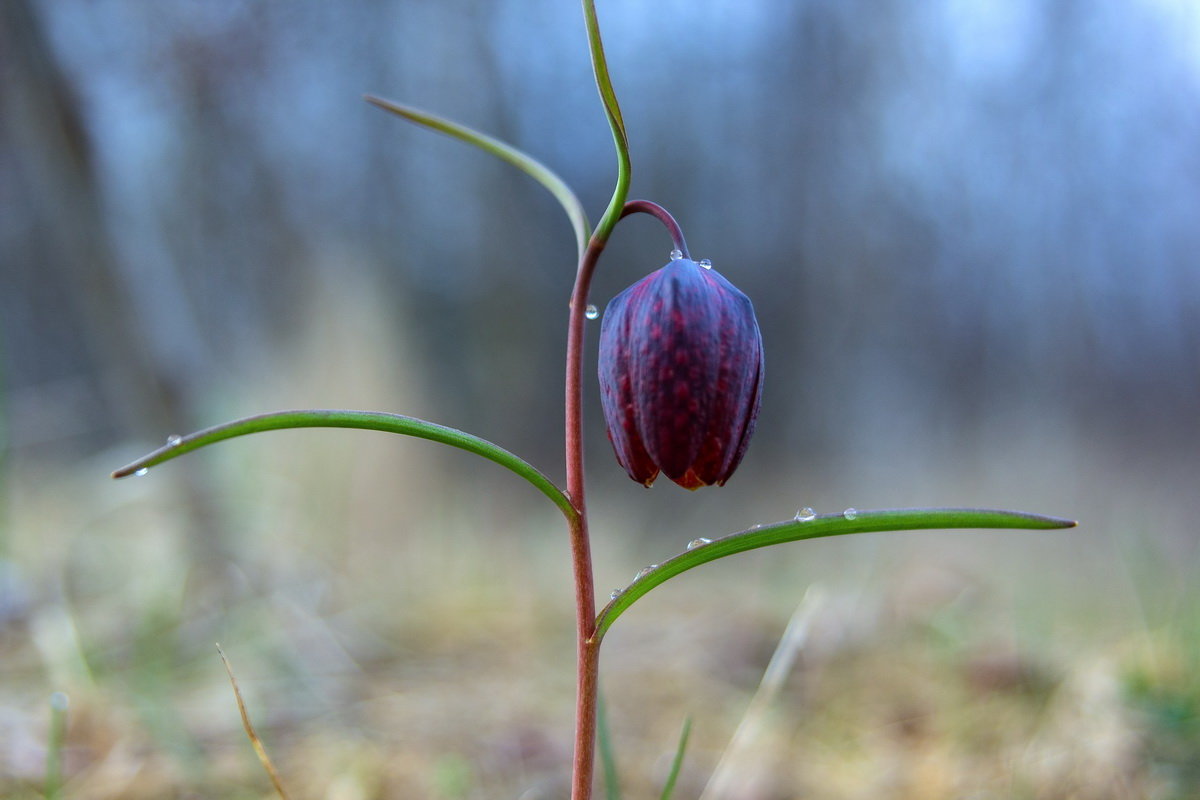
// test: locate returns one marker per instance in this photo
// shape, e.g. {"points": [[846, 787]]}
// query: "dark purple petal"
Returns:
{"points": [[616, 395], [680, 375]]}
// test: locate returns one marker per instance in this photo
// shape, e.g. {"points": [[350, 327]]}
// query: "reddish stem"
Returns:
{"points": [[588, 651], [663, 216]]}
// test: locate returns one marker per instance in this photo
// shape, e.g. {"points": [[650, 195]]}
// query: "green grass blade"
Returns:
{"points": [[905, 519], [54, 746], [505, 152], [368, 420], [677, 763], [612, 110], [608, 758]]}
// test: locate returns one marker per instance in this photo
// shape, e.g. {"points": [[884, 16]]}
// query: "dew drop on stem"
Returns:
{"points": [[139, 473], [591, 312]]}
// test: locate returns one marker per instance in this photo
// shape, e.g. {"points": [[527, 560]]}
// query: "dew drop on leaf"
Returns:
{"points": [[615, 593], [174, 439], [850, 513], [644, 571], [139, 473], [699, 542], [706, 263], [805, 514]]}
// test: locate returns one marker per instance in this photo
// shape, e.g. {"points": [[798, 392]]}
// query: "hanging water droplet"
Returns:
{"points": [[676, 254], [174, 439], [139, 473], [698, 542], [805, 514], [706, 263], [591, 312], [59, 701], [850, 513], [644, 571], [615, 593]]}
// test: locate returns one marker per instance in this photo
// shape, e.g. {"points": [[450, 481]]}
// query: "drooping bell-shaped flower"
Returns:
{"points": [[681, 366]]}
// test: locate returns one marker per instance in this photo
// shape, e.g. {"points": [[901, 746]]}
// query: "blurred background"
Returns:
{"points": [[970, 231]]}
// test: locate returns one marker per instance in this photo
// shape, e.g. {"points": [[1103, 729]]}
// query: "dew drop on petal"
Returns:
{"points": [[706, 263], [805, 514], [139, 473], [676, 254], [591, 312], [615, 593], [174, 439], [850, 513], [699, 542]]}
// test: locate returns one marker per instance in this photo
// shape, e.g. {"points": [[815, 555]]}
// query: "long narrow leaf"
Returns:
{"points": [[369, 420], [677, 762], [612, 110], [905, 519], [608, 756], [505, 152]]}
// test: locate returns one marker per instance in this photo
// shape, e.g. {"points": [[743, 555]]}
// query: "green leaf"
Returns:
{"points": [[608, 758], [677, 763], [505, 152], [368, 420], [904, 519], [612, 110]]}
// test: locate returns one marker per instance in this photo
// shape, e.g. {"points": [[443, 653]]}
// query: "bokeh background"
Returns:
{"points": [[970, 229]]}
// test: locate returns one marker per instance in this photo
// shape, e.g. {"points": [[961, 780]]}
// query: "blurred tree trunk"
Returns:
{"points": [[70, 243]]}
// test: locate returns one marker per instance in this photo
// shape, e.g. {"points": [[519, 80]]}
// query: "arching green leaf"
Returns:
{"points": [[369, 420], [506, 152], [904, 519]]}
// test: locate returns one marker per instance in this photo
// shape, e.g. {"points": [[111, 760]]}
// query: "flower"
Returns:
{"points": [[681, 364]]}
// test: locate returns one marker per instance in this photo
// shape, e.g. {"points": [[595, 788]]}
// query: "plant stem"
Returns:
{"points": [[588, 650], [663, 216]]}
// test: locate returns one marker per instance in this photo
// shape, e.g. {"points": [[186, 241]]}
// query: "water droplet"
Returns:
{"points": [[706, 263], [850, 513], [615, 593], [139, 473], [700, 542], [644, 571], [591, 312], [676, 254], [174, 439], [756, 526], [805, 514], [59, 701]]}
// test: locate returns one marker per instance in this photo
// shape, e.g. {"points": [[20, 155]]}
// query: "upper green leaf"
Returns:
{"points": [[612, 110], [506, 152]]}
